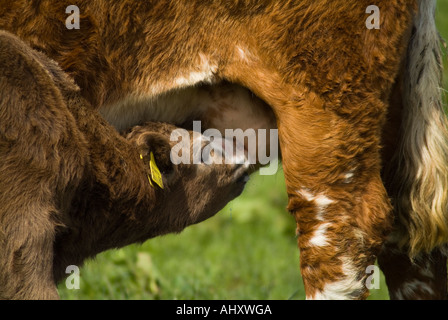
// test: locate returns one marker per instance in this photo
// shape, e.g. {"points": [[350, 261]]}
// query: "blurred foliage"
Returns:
{"points": [[442, 23]]}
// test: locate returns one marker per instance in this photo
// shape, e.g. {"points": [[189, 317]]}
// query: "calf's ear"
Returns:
{"points": [[159, 146]]}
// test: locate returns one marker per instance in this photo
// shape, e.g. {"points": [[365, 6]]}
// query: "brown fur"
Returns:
{"points": [[328, 79], [72, 187]]}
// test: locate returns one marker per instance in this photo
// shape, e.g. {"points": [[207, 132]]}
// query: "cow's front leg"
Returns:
{"points": [[332, 172]]}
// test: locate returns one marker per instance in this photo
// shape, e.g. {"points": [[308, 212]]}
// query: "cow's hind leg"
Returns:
{"points": [[338, 199], [424, 278]]}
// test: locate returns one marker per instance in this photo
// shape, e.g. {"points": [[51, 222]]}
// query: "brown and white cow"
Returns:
{"points": [[72, 187], [358, 111]]}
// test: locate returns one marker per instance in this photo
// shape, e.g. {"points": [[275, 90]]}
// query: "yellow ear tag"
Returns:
{"points": [[155, 172], [149, 179]]}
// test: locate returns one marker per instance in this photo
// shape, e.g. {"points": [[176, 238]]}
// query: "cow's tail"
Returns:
{"points": [[422, 174]]}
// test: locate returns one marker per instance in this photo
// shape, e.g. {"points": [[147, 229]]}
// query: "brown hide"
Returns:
{"points": [[72, 186]]}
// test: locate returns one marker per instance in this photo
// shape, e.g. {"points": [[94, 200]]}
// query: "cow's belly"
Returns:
{"points": [[222, 106]]}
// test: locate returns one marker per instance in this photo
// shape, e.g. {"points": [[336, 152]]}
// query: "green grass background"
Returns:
{"points": [[247, 251]]}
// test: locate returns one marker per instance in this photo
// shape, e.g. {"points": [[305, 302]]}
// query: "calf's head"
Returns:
{"points": [[198, 187]]}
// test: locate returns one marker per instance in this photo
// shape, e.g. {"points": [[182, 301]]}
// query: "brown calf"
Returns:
{"points": [[72, 187], [337, 91]]}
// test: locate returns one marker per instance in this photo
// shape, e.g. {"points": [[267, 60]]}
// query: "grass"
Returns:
{"points": [[247, 251]]}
